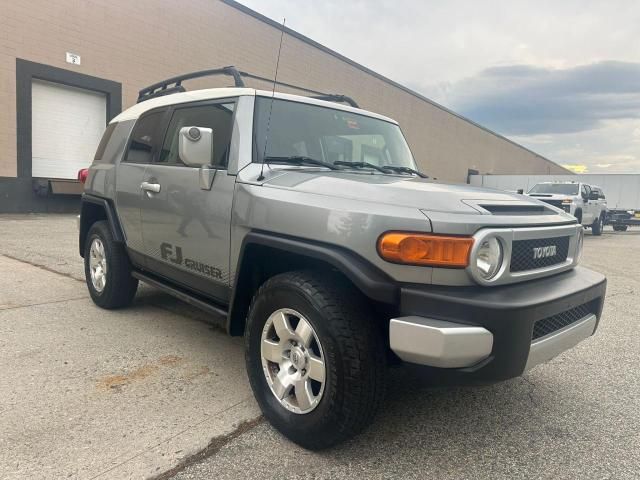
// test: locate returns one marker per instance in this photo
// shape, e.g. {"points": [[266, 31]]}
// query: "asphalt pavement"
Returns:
{"points": [[159, 390]]}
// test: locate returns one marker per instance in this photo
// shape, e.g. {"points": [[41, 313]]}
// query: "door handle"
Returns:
{"points": [[150, 187]]}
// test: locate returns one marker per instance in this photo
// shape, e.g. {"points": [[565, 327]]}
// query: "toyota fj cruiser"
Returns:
{"points": [[585, 202], [305, 222]]}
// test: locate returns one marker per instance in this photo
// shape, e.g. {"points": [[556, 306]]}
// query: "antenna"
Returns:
{"points": [[273, 94]]}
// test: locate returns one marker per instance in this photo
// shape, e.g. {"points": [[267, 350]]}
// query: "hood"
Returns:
{"points": [[398, 190]]}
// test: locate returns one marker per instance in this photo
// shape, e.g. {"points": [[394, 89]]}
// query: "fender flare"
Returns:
{"points": [[110, 214], [369, 279]]}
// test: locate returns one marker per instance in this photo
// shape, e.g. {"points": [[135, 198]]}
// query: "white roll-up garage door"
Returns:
{"points": [[67, 124]]}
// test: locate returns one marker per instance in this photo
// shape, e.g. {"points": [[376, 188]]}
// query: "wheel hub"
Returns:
{"points": [[298, 358], [293, 361], [98, 265]]}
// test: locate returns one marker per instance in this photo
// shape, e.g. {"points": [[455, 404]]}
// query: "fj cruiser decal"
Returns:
{"points": [[174, 255]]}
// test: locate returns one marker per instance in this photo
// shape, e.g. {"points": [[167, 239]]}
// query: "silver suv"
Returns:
{"points": [[585, 202], [305, 222]]}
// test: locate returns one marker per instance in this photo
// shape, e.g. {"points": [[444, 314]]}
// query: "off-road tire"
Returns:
{"points": [[120, 287], [620, 228], [354, 353], [597, 226]]}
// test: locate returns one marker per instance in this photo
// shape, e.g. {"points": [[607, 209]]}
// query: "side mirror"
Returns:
{"points": [[520, 191], [593, 196], [195, 146]]}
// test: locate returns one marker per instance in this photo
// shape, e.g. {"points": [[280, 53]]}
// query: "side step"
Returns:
{"points": [[181, 294]]}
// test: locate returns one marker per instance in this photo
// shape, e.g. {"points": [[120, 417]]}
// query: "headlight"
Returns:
{"points": [[566, 201], [488, 258], [579, 245]]}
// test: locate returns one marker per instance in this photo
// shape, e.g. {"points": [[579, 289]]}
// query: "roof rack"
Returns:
{"points": [[174, 85]]}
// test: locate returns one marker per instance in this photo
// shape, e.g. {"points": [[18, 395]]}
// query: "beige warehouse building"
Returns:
{"points": [[67, 67]]}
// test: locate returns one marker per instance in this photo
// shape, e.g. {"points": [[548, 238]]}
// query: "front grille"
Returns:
{"points": [[523, 256], [556, 322], [556, 203]]}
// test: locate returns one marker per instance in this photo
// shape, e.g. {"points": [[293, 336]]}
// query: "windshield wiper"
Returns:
{"points": [[359, 165], [398, 168], [299, 160]]}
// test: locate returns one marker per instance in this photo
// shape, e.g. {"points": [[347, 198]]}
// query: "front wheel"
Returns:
{"points": [[598, 225], [620, 228], [315, 358]]}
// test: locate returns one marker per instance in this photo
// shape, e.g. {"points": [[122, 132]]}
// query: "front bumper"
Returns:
{"points": [[488, 333]]}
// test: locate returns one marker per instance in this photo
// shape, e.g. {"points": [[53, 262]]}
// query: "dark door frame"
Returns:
{"points": [[26, 72]]}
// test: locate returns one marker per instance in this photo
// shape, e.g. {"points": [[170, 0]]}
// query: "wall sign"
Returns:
{"points": [[73, 58]]}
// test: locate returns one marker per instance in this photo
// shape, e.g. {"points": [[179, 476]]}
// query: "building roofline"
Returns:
{"points": [[313, 43]]}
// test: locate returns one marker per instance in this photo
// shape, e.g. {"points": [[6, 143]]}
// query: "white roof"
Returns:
{"points": [[132, 113]]}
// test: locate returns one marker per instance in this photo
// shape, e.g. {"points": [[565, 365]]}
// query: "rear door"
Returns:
{"points": [[185, 221], [144, 142]]}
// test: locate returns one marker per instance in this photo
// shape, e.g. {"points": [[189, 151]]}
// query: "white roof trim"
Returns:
{"points": [[132, 113]]}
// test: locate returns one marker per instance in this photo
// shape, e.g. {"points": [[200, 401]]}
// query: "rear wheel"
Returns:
{"points": [[315, 358], [620, 228], [598, 225], [107, 269]]}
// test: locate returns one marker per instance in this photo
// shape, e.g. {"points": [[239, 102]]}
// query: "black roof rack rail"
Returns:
{"points": [[174, 85], [165, 87], [333, 97], [315, 94]]}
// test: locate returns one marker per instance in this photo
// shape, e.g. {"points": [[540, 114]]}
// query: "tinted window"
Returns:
{"points": [[218, 117], [145, 135], [551, 188], [106, 136]]}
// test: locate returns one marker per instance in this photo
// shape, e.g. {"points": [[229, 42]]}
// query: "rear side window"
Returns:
{"points": [[106, 136], [144, 137], [218, 117]]}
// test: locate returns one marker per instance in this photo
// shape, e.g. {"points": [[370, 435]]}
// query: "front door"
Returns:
{"points": [[129, 177], [588, 205], [186, 220]]}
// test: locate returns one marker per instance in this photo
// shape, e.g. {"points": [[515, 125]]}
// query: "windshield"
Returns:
{"points": [[326, 134], [551, 188]]}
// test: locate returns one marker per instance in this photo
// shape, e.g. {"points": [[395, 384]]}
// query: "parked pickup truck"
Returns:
{"points": [[585, 202], [305, 222]]}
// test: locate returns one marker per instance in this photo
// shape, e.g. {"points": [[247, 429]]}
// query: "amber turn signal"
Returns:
{"points": [[424, 249]]}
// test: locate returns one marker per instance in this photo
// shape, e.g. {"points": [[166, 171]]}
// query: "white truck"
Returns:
{"points": [[622, 191], [585, 202]]}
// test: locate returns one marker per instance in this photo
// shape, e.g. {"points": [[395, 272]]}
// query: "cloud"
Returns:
{"points": [[530, 100]]}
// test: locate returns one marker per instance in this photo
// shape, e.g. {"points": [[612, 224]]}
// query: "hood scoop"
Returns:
{"points": [[516, 209], [509, 207]]}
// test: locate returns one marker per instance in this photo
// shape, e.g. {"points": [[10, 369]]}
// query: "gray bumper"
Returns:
{"points": [[545, 348], [442, 344], [438, 343]]}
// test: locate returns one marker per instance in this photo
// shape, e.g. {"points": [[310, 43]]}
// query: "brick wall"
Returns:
{"points": [[138, 43]]}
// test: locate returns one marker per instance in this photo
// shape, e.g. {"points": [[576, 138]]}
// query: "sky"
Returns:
{"points": [[559, 77]]}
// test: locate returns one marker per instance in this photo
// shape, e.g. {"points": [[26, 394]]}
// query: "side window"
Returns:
{"points": [[585, 191], [217, 117], [102, 146], [144, 136]]}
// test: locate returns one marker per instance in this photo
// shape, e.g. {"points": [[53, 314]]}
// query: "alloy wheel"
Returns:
{"points": [[293, 361]]}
